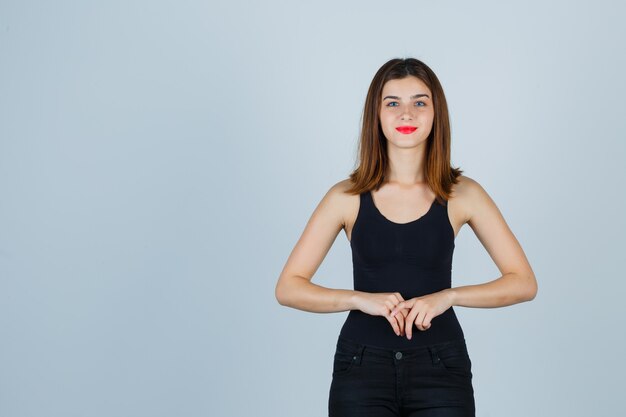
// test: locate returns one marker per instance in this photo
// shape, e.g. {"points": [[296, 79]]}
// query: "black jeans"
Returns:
{"points": [[426, 381]]}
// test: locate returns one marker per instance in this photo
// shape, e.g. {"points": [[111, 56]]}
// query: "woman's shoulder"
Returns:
{"points": [[465, 184], [466, 188], [469, 196], [341, 189], [344, 201]]}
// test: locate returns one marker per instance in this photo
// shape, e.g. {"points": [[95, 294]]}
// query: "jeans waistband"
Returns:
{"points": [[417, 351]]}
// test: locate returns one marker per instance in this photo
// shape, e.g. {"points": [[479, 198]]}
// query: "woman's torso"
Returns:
{"points": [[413, 258]]}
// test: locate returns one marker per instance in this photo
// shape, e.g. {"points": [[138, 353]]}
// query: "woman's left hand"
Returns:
{"points": [[423, 309]]}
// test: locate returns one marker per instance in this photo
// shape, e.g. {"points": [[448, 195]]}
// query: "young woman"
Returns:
{"points": [[401, 350]]}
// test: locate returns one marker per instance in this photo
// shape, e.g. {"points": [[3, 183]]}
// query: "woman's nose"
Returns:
{"points": [[407, 113]]}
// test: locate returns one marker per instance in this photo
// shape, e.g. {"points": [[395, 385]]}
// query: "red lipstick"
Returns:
{"points": [[406, 129]]}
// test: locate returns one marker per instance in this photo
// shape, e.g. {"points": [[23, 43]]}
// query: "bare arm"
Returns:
{"points": [[299, 292], [294, 287], [517, 283]]}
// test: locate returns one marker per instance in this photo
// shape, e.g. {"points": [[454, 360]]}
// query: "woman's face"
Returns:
{"points": [[406, 102]]}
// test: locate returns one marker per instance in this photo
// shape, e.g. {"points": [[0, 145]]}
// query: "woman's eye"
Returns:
{"points": [[395, 102]]}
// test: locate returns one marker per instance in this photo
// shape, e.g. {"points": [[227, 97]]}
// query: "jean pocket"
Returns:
{"points": [[345, 359], [454, 358], [342, 364]]}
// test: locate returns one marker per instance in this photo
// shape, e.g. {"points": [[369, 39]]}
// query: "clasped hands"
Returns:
{"points": [[402, 314]]}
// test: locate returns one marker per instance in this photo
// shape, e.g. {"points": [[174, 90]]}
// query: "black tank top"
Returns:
{"points": [[414, 259]]}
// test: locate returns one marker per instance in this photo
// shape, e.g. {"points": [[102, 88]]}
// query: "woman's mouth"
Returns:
{"points": [[406, 129]]}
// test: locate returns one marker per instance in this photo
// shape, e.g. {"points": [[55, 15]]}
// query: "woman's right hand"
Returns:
{"points": [[381, 304]]}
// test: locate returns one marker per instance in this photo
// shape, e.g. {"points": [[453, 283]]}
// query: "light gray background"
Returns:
{"points": [[159, 160]]}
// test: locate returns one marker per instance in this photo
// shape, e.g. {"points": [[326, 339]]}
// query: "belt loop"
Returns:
{"points": [[359, 354], [433, 355]]}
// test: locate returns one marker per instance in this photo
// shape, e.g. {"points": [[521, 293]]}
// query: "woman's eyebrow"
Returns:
{"points": [[413, 96]]}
